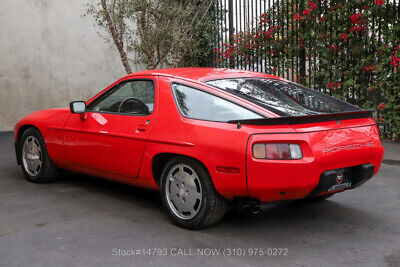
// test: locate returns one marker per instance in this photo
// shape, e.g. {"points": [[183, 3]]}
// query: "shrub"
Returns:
{"points": [[354, 45]]}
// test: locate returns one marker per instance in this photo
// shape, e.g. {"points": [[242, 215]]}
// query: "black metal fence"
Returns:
{"points": [[234, 16]]}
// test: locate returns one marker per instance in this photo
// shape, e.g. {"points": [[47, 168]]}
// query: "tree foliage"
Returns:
{"points": [[157, 33]]}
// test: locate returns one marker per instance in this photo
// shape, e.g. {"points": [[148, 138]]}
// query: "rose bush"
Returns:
{"points": [[350, 50]]}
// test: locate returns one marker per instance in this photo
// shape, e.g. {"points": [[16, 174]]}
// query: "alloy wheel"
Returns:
{"points": [[32, 156], [183, 191]]}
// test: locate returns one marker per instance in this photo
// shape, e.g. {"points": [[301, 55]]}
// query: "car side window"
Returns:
{"points": [[197, 104], [135, 97]]}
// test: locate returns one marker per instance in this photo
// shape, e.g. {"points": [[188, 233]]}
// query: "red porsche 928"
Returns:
{"points": [[206, 137]]}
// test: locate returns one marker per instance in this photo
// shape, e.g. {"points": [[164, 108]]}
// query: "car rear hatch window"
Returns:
{"points": [[283, 97]]}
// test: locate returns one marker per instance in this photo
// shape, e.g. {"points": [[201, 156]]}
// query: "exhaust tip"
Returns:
{"points": [[256, 210]]}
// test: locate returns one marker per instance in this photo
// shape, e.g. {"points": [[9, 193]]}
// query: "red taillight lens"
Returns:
{"points": [[277, 151], [272, 151], [284, 151]]}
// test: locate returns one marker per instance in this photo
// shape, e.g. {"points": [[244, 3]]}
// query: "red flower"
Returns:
{"points": [[312, 5], [330, 84], [301, 42], [344, 37], [297, 16], [382, 106], [354, 18], [369, 68], [395, 61], [306, 12], [357, 28], [334, 47], [379, 2]]}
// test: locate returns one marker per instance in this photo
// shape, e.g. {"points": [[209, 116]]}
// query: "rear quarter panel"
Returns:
{"points": [[212, 143]]}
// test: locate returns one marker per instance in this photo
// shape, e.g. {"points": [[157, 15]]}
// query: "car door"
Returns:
{"points": [[112, 135]]}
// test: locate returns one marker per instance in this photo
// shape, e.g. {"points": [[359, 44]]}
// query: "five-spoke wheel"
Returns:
{"points": [[184, 193], [31, 156], [36, 163], [188, 194]]}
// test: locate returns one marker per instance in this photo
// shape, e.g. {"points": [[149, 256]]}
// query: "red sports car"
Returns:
{"points": [[206, 137]]}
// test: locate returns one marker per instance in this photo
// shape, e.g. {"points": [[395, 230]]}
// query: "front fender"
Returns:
{"points": [[50, 123]]}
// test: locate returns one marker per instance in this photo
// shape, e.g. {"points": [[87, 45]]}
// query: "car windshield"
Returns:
{"points": [[283, 97]]}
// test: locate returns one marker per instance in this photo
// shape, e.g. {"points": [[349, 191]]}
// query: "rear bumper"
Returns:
{"points": [[342, 179], [285, 181]]}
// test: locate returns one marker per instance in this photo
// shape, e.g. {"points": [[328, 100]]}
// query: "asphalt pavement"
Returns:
{"points": [[84, 221]]}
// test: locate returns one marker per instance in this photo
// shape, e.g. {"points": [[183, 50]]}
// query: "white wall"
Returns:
{"points": [[50, 55]]}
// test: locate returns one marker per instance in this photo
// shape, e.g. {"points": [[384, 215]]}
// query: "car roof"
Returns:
{"points": [[202, 74]]}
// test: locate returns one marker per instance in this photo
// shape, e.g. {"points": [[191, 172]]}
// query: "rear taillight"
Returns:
{"points": [[277, 151]]}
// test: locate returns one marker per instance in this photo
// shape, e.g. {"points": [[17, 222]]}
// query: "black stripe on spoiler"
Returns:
{"points": [[307, 119]]}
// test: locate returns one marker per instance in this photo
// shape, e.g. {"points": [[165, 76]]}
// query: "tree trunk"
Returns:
{"points": [[118, 40]]}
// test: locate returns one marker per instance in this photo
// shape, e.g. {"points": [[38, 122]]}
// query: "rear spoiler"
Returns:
{"points": [[307, 119]]}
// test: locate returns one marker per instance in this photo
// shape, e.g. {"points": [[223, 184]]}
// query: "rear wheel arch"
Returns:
{"points": [[160, 160]]}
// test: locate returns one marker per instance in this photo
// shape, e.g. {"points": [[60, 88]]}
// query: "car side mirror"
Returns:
{"points": [[77, 107]]}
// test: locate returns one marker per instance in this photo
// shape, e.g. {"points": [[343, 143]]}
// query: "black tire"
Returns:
{"points": [[47, 172], [320, 198], [212, 207]]}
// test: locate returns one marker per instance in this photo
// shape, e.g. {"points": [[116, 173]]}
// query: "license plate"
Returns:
{"points": [[343, 180], [340, 186]]}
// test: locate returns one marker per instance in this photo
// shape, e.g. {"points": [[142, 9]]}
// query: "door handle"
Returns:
{"points": [[141, 128]]}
